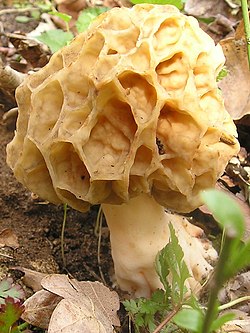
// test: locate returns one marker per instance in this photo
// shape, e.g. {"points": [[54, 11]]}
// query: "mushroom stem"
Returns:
{"points": [[139, 229]]}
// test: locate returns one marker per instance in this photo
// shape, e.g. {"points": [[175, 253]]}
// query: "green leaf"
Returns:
{"points": [[65, 17], [218, 322], [226, 211], [162, 269], [10, 312], [189, 319], [45, 7], [55, 39], [131, 306], [170, 260], [239, 258], [35, 14], [223, 73], [144, 311], [87, 16], [23, 19], [177, 3], [7, 289], [206, 20]]}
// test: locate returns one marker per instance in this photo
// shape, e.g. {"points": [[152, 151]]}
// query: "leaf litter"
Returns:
{"points": [[235, 86], [72, 306], [8, 238]]}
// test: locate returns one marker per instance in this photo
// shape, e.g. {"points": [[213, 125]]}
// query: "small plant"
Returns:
{"points": [[166, 309], [11, 307], [172, 308], [35, 10]]}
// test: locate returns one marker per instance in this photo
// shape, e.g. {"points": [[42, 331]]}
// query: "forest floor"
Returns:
{"points": [[38, 224]]}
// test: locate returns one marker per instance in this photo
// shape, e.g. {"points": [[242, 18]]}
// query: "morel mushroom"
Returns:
{"points": [[129, 116]]}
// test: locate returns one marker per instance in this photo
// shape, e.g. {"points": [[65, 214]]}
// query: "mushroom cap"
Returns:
{"points": [[131, 106]]}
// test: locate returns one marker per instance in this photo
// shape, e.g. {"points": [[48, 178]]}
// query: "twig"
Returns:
{"points": [[9, 78], [99, 221], [234, 302], [17, 10], [65, 208], [6, 256], [167, 319], [13, 35], [245, 14]]}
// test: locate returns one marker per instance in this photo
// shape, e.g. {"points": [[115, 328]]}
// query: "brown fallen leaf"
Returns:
{"points": [[235, 86], [39, 308], [31, 50], [238, 287], [204, 8], [67, 305], [69, 7], [98, 293], [105, 300], [79, 315], [238, 326], [8, 238], [31, 278]]}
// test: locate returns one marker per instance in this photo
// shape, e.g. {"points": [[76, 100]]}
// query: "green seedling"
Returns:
{"points": [[11, 307], [55, 39], [172, 308], [35, 10], [65, 17], [10, 313]]}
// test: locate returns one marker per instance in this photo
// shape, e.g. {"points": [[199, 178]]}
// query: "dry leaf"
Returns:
{"points": [[71, 7], [236, 85], [88, 300], [239, 286], [30, 49], [31, 278], [59, 284], [8, 238], [237, 326], [39, 308], [204, 8], [106, 300], [79, 315]]}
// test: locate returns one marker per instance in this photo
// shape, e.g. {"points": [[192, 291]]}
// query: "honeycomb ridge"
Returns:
{"points": [[130, 106]]}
